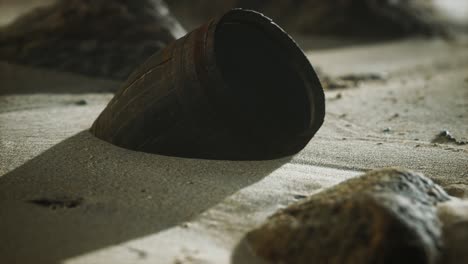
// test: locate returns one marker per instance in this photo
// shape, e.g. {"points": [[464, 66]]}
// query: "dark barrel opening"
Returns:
{"points": [[268, 97], [237, 88]]}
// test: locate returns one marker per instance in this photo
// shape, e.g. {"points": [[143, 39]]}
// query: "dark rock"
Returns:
{"points": [[331, 17], [454, 216], [384, 216], [58, 203], [101, 38], [81, 102], [299, 196], [387, 130], [445, 137]]}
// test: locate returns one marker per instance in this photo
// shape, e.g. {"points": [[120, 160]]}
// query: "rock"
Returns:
{"points": [[387, 130], [81, 102], [445, 137], [457, 190], [453, 212], [101, 38], [332, 17], [454, 217], [456, 239], [384, 216]]}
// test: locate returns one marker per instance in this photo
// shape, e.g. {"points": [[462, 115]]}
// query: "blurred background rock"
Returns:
{"points": [[339, 17], [109, 38], [100, 38]]}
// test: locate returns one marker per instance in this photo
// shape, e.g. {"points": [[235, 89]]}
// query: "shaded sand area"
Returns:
{"points": [[67, 197], [13, 9]]}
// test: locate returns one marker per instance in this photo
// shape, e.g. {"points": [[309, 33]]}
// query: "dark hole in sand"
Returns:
{"points": [[269, 95], [63, 203]]}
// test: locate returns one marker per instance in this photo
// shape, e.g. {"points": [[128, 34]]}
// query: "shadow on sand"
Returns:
{"points": [[84, 194], [19, 79]]}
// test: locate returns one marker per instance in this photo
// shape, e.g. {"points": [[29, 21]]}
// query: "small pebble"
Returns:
{"points": [[299, 196], [81, 102], [387, 130], [445, 137]]}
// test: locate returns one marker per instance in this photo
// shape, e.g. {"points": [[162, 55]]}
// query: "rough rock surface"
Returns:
{"points": [[103, 38], [384, 216], [458, 190], [454, 216]]}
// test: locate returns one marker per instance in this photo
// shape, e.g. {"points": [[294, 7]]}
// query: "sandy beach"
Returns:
{"points": [[68, 197]]}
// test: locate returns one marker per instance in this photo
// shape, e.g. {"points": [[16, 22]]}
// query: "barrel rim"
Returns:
{"points": [[300, 63]]}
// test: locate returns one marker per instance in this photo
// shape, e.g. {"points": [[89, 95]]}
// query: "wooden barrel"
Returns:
{"points": [[237, 88]]}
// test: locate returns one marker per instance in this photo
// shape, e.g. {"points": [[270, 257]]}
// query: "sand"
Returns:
{"points": [[67, 197]]}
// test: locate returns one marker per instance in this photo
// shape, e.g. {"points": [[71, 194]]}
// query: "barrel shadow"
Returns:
{"points": [[85, 194]]}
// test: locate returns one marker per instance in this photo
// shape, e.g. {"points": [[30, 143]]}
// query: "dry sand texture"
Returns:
{"points": [[68, 197]]}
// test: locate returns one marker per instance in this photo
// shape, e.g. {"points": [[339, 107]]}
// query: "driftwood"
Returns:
{"points": [[236, 88]]}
